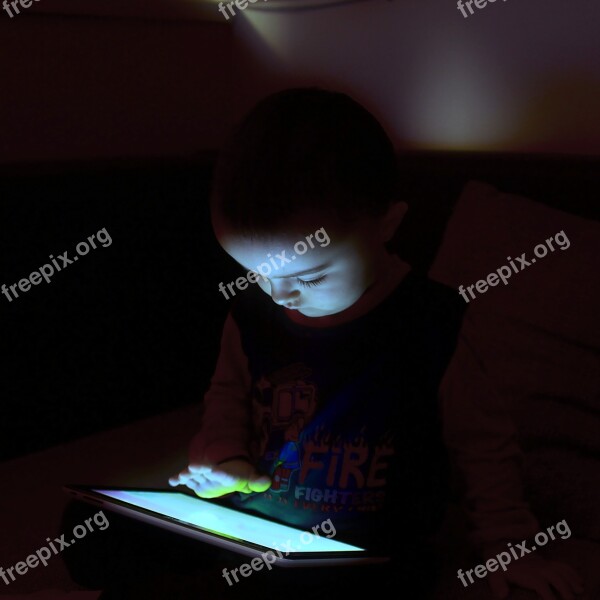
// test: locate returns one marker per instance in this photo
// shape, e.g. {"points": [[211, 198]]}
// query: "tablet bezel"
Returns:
{"points": [[87, 493]]}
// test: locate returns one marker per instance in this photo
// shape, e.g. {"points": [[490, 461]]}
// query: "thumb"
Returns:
{"points": [[498, 586], [259, 483]]}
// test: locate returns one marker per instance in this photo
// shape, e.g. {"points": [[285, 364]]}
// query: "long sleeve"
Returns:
{"points": [[226, 419], [482, 440]]}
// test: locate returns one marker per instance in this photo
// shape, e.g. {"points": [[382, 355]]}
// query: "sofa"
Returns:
{"points": [[539, 342]]}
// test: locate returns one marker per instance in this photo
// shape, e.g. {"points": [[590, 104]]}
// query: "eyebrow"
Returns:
{"points": [[306, 272]]}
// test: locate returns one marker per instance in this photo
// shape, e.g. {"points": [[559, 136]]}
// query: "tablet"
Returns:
{"points": [[212, 522]]}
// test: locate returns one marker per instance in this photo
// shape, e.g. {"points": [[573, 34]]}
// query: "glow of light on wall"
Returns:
{"points": [[456, 102], [441, 92], [272, 30]]}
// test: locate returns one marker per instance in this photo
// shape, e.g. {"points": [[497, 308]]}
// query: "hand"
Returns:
{"points": [[550, 579], [236, 475]]}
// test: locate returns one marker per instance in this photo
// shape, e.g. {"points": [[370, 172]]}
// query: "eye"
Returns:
{"points": [[312, 282]]}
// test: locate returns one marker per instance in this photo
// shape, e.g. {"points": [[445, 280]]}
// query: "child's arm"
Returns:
{"points": [[219, 461], [482, 438]]}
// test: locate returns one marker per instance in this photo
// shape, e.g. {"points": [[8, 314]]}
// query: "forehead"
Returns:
{"points": [[290, 254], [297, 228]]}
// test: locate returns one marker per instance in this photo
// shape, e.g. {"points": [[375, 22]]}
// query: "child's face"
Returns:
{"points": [[326, 278]]}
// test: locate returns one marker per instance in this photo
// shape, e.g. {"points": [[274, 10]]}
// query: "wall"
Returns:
{"points": [[516, 76], [75, 87]]}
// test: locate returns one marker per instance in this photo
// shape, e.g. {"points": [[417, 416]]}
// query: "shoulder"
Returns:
{"points": [[250, 305], [433, 315], [432, 299], [257, 317]]}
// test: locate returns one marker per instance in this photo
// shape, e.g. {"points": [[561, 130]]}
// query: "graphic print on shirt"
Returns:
{"points": [[288, 460], [312, 466], [282, 404]]}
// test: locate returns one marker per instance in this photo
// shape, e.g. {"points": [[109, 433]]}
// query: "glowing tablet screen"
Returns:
{"points": [[230, 523]]}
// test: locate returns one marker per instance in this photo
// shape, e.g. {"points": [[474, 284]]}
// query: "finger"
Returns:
{"points": [[498, 585], [211, 488], [219, 474], [192, 484], [198, 468], [206, 495], [197, 483], [225, 479], [181, 478], [260, 484], [245, 489], [211, 492]]}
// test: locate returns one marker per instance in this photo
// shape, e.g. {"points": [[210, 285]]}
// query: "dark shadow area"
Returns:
{"points": [[127, 331], [132, 329]]}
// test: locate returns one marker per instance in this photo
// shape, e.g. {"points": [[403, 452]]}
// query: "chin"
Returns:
{"points": [[311, 312], [320, 312]]}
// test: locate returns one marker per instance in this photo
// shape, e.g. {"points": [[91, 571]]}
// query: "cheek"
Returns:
{"points": [[359, 277], [264, 285], [344, 291]]}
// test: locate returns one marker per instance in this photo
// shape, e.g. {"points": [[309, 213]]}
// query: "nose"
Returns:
{"points": [[284, 293]]}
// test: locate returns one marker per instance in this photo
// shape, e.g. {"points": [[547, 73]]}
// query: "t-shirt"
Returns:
{"points": [[346, 419]]}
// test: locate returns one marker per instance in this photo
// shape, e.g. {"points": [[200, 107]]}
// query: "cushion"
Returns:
{"points": [[538, 336]]}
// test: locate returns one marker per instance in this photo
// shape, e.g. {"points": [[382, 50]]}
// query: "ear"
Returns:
{"points": [[392, 219]]}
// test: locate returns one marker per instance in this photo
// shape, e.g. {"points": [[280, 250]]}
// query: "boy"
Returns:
{"points": [[325, 401]]}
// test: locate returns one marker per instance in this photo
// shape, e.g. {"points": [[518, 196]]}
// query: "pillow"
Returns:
{"points": [[538, 334], [550, 305]]}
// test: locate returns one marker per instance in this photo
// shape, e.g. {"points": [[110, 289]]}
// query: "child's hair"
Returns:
{"points": [[300, 149]]}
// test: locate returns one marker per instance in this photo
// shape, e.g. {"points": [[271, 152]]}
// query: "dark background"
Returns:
{"points": [[133, 329], [127, 331], [111, 116]]}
